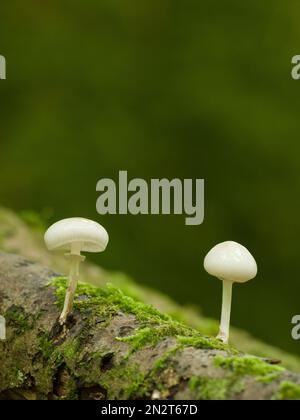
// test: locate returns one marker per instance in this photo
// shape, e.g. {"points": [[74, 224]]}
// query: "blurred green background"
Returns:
{"points": [[167, 88]]}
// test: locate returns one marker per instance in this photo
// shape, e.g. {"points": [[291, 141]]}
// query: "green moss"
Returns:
{"points": [[124, 381], [206, 343], [150, 336], [66, 352], [72, 393], [163, 360], [209, 389], [106, 299], [102, 304], [60, 284], [69, 349], [144, 336], [250, 365], [56, 354], [110, 301], [288, 391], [45, 346], [64, 355], [17, 318], [18, 378], [136, 383], [106, 302]]}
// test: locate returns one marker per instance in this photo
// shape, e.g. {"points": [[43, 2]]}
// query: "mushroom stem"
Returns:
{"points": [[226, 310], [73, 279]]}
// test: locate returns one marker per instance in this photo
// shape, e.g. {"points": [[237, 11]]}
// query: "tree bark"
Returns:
{"points": [[119, 353], [24, 236]]}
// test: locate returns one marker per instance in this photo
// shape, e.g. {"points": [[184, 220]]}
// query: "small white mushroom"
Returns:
{"points": [[231, 263], [2, 328], [73, 236]]}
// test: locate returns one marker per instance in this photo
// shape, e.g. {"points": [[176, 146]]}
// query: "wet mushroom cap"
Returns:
{"points": [[231, 261], [91, 236]]}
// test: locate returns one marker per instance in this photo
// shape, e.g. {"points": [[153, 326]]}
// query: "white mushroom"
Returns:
{"points": [[231, 263], [2, 328], [73, 236]]}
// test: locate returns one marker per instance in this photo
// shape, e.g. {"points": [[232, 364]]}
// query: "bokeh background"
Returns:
{"points": [[168, 88]]}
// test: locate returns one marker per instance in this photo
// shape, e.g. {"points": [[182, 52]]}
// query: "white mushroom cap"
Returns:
{"points": [[231, 261], [85, 234]]}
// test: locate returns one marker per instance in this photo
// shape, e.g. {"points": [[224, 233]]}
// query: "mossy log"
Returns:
{"points": [[114, 347], [23, 235]]}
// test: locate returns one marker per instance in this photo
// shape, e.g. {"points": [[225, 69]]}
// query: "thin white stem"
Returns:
{"points": [[73, 279], [2, 328], [226, 310]]}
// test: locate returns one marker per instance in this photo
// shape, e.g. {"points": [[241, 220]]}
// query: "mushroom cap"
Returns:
{"points": [[91, 236], [230, 261]]}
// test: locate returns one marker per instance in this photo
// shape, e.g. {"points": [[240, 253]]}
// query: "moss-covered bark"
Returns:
{"points": [[115, 347], [23, 235]]}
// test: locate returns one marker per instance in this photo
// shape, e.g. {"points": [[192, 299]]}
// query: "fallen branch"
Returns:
{"points": [[115, 348]]}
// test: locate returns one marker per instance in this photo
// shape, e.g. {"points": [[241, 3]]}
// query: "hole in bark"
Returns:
{"points": [[106, 362], [93, 393], [71, 321], [61, 381]]}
